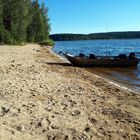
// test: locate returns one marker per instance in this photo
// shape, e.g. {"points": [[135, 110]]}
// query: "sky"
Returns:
{"points": [[90, 16]]}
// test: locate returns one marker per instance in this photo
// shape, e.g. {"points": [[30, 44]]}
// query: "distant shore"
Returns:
{"points": [[96, 36], [43, 97]]}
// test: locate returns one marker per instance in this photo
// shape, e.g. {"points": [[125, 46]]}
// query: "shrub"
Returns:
{"points": [[48, 42]]}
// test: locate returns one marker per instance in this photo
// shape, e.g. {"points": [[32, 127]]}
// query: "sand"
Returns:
{"points": [[44, 98]]}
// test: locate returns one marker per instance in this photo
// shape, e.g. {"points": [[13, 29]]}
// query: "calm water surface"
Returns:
{"points": [[127, 76]]}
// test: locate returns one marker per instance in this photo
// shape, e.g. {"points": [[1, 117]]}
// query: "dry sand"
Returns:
{"points": [[42, 98]]}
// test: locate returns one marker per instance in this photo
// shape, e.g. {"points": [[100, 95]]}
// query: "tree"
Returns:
{"points": [[19, 20], [1, 23], [46, 23], [39, 27], [23, 20]]}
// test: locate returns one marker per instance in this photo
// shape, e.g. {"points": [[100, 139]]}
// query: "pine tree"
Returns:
{"points": [[15, 20], [19, 20], [46, 23], [23, 20], [36, 27], [7, 20], [1, 23]]}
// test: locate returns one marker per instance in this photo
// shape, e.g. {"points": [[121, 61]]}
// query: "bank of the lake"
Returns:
{"points": [[42, 97], [129, 77]]}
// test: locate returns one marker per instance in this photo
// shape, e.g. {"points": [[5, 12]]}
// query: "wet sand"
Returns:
{"points": [[44, 98], [128, 77]]}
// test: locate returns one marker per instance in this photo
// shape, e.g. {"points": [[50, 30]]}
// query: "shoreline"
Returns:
{"points": [[118, 83], [43, 97], [109, 80]]}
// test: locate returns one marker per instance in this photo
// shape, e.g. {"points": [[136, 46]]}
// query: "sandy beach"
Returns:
{"points": [[44, 98]]}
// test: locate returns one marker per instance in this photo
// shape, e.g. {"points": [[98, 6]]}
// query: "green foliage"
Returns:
{"points": [[8, 38], [38, 29], [48, 42], [22, 21], [19, 21], [93, 36], [1, 35], [1, 23], [46, 23]]}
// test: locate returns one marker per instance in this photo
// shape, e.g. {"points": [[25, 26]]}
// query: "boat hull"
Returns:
{"points": [[85, 62]]}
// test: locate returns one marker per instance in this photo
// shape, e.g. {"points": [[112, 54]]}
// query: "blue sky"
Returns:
{"points": [[89, 16]]}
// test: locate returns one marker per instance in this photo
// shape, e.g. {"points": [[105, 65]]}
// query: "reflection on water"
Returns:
{"points": [[128, 76]]}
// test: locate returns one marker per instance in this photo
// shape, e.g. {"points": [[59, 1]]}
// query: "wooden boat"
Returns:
{"points": [[100, 61]]}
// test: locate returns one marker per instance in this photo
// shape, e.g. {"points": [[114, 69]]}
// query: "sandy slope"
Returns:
{"points": [[42, 98]]}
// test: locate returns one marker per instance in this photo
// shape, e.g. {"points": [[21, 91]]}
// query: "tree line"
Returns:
{"points": [[94, 36], [23, 21]]}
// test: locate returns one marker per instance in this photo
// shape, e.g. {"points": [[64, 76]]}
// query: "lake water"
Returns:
{"points": [[130, 77]]}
